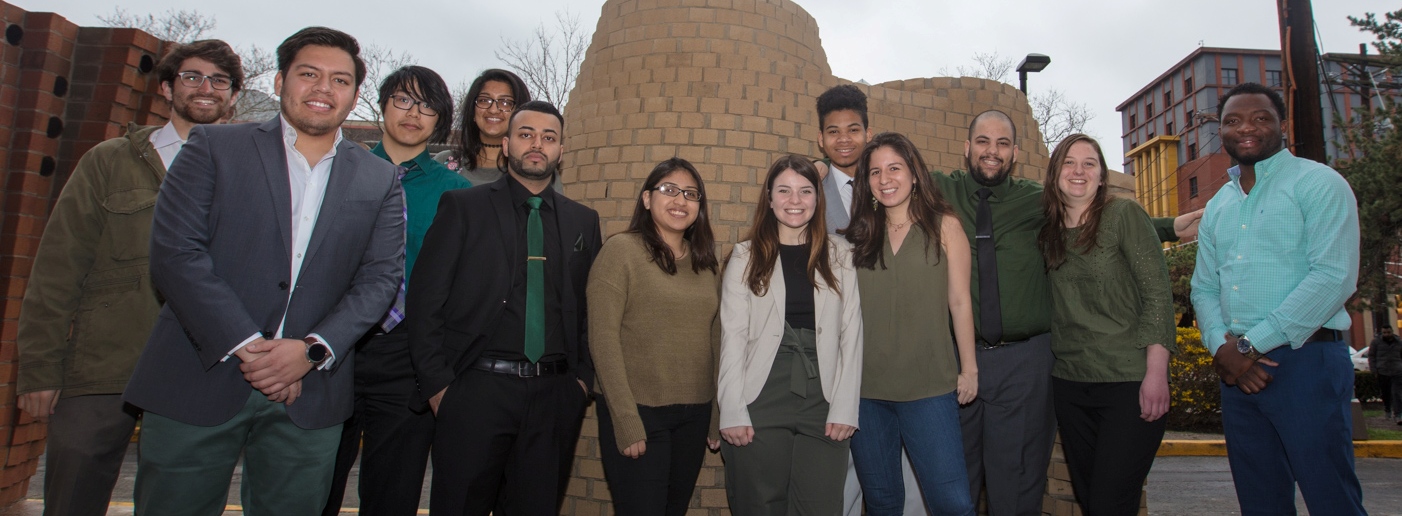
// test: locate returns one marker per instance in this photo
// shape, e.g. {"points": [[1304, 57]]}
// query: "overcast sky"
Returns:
{"points": [[1102, 51]]}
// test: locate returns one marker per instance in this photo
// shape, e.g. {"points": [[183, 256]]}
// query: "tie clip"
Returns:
{"points": [[541, 258]]}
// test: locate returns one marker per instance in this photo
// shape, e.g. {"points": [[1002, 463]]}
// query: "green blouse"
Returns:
{"points": [[1112, 302], [908, 350]]}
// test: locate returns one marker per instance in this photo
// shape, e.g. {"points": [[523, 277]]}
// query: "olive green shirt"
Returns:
{"points": [[1111, 302], [1017, 218], [908, 349]]}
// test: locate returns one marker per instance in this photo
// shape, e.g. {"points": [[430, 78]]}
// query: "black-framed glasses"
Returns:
{"points": [[485, 102], [195, 79], [671, 190], [406, 103]]}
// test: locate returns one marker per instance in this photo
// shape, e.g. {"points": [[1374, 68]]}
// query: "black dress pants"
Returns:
{"points": [[505, 443], [1109, 449], [661, 481], [397, 439]]}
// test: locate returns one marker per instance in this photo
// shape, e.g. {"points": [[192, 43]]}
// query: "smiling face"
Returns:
{"points": [[793, 199], [493, 121], [408, 127], [1081, 175], [990, 153], [673, 215], [1251, 128], [202, 104], [533, 146], [890, 178], [843, 138], [319, 89]]}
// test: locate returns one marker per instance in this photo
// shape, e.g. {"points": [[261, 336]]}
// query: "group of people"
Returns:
{"points": [[274, 292]]}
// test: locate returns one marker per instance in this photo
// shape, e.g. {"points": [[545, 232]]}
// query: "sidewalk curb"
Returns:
{"points": [[1218, 448]]}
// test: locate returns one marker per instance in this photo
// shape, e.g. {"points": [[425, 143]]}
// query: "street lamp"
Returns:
{"points": [[1031, 63]]}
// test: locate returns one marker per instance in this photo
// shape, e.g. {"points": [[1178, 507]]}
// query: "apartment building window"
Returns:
{"points": [[1168, 96], [1192, 155], [1273, 79], [1187, 85], [1152, 135], [1192, 187], [1133, 120], [1168, 127], [1191, 115], [1229, 76], [1149, 110]]}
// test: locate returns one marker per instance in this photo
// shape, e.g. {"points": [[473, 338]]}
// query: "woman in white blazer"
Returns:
{"points": [[791, 354]]}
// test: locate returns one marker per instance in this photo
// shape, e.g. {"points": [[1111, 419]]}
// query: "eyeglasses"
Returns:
{"points": [[195, 79], [485, 102], [671, 190], [406, 103]]}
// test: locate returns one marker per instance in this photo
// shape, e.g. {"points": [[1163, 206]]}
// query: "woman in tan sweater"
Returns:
{"points": [[654, 336]]}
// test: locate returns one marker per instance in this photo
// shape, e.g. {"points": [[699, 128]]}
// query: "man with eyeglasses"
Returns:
{"points": [[89, 305], [417, 109]]}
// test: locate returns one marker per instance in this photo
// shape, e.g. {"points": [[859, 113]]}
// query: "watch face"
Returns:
{"points": [[316, 353], [1243, 346]]}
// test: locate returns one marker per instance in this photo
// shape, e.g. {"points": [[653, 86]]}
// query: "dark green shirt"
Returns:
{"points": [[1111, 302], [424, 182], [907, 350], [1022, 277]]}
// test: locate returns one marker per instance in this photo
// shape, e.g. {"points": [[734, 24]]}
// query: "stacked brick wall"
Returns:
{"points": [[731, 85], [63, 89]]}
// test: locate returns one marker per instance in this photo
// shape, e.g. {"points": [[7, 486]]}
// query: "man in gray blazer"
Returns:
{"points": [[275, 246]]}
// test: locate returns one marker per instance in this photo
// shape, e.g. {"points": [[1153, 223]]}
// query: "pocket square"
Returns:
{"points": [[579, 243]]}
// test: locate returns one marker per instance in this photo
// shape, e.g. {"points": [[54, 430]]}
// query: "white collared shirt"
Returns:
{"points": [[308, 184], [167, 142], [844, 186]]}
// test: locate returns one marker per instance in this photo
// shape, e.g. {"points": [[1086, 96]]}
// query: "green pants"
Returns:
{"points": [[791, 467], [185, 470]]}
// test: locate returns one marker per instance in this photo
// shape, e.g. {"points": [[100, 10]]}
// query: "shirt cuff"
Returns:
{"points": [[1265, 339], [245, 342], [1214, 338], [331, 352]]}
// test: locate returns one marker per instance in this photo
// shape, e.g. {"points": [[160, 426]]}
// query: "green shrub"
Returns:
{"points": [[1365, 387], [1196, 394]]}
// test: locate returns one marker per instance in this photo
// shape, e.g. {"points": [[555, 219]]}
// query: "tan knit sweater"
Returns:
{"points": [[654, 336]]}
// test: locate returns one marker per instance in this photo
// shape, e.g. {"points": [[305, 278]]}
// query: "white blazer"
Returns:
{"points": [[752, 326]]}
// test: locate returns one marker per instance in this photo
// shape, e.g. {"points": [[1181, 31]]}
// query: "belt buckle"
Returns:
{"points": [[524, 367]]}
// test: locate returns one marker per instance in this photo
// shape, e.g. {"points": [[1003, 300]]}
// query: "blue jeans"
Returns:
{"points": [[929, 429], [1299, 429]]}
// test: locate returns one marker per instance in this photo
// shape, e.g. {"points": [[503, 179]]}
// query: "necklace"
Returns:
{"points": [[490, 146], [896, 227]]}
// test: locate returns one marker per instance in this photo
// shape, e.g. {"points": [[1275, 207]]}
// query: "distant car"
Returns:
{"points": [[1360, 359]]}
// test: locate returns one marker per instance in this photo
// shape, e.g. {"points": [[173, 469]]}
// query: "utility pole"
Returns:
{"points": [[1301, 76]]}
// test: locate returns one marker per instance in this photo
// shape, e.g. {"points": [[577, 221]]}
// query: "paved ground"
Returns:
{"points": [[1177, 486]]}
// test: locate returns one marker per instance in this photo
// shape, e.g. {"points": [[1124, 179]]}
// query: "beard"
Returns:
{"points": [[1249, 159], [185, 107], [547, 171], [979, 177]]}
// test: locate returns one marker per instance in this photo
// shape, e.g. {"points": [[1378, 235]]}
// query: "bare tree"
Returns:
{"points": [[178, 25], [1056, 115], [549, 62], [256, 103], [380, 61], [459, 93]]}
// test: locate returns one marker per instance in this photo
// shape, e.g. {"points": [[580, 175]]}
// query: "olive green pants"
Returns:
{"points": [[791, 467]]}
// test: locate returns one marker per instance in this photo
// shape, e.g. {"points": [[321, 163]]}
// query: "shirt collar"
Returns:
{"points": [[1000, 190], [842, 178], [289, 137], [1263, 167], [519, 193], [419, 163], [166, 136]]}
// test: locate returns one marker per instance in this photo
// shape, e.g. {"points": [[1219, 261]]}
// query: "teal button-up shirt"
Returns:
{"points": [[1278, 264], [424, 182]]}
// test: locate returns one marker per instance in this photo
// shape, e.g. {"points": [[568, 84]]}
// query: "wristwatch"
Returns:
{"points": [[317, 352], [1243, 346]]}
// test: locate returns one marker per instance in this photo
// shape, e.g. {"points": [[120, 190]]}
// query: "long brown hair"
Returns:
{"points": [[867, 231], [764, 233], [703, 243], [1052, 237]]}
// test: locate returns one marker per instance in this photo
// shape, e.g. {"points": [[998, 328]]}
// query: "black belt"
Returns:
{"points": [[1325, 335], [521, 368], [980, 344]]}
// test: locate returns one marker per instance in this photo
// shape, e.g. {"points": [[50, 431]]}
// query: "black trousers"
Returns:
{"points": [[88, 437], [505, 443], [1109, 449], [661, 481], [397, 439]]}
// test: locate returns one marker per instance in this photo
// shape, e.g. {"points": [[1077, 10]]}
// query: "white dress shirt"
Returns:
{"points": [[167, 143], [844, 186]]}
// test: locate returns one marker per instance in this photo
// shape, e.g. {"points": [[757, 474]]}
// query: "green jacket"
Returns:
{"points": [[89, 305]]}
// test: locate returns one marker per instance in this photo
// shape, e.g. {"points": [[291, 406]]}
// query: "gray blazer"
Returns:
{"points": [[837, 215], [220, 256]]}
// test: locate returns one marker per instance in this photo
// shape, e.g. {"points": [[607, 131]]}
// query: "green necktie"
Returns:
{"points": [[535, 283]]}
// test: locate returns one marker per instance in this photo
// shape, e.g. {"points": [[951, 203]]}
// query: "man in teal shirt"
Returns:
{"points": [[1277, 259], [417, 108]]}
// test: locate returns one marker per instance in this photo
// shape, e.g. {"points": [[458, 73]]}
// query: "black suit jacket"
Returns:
{"points": [[463, 275]]}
